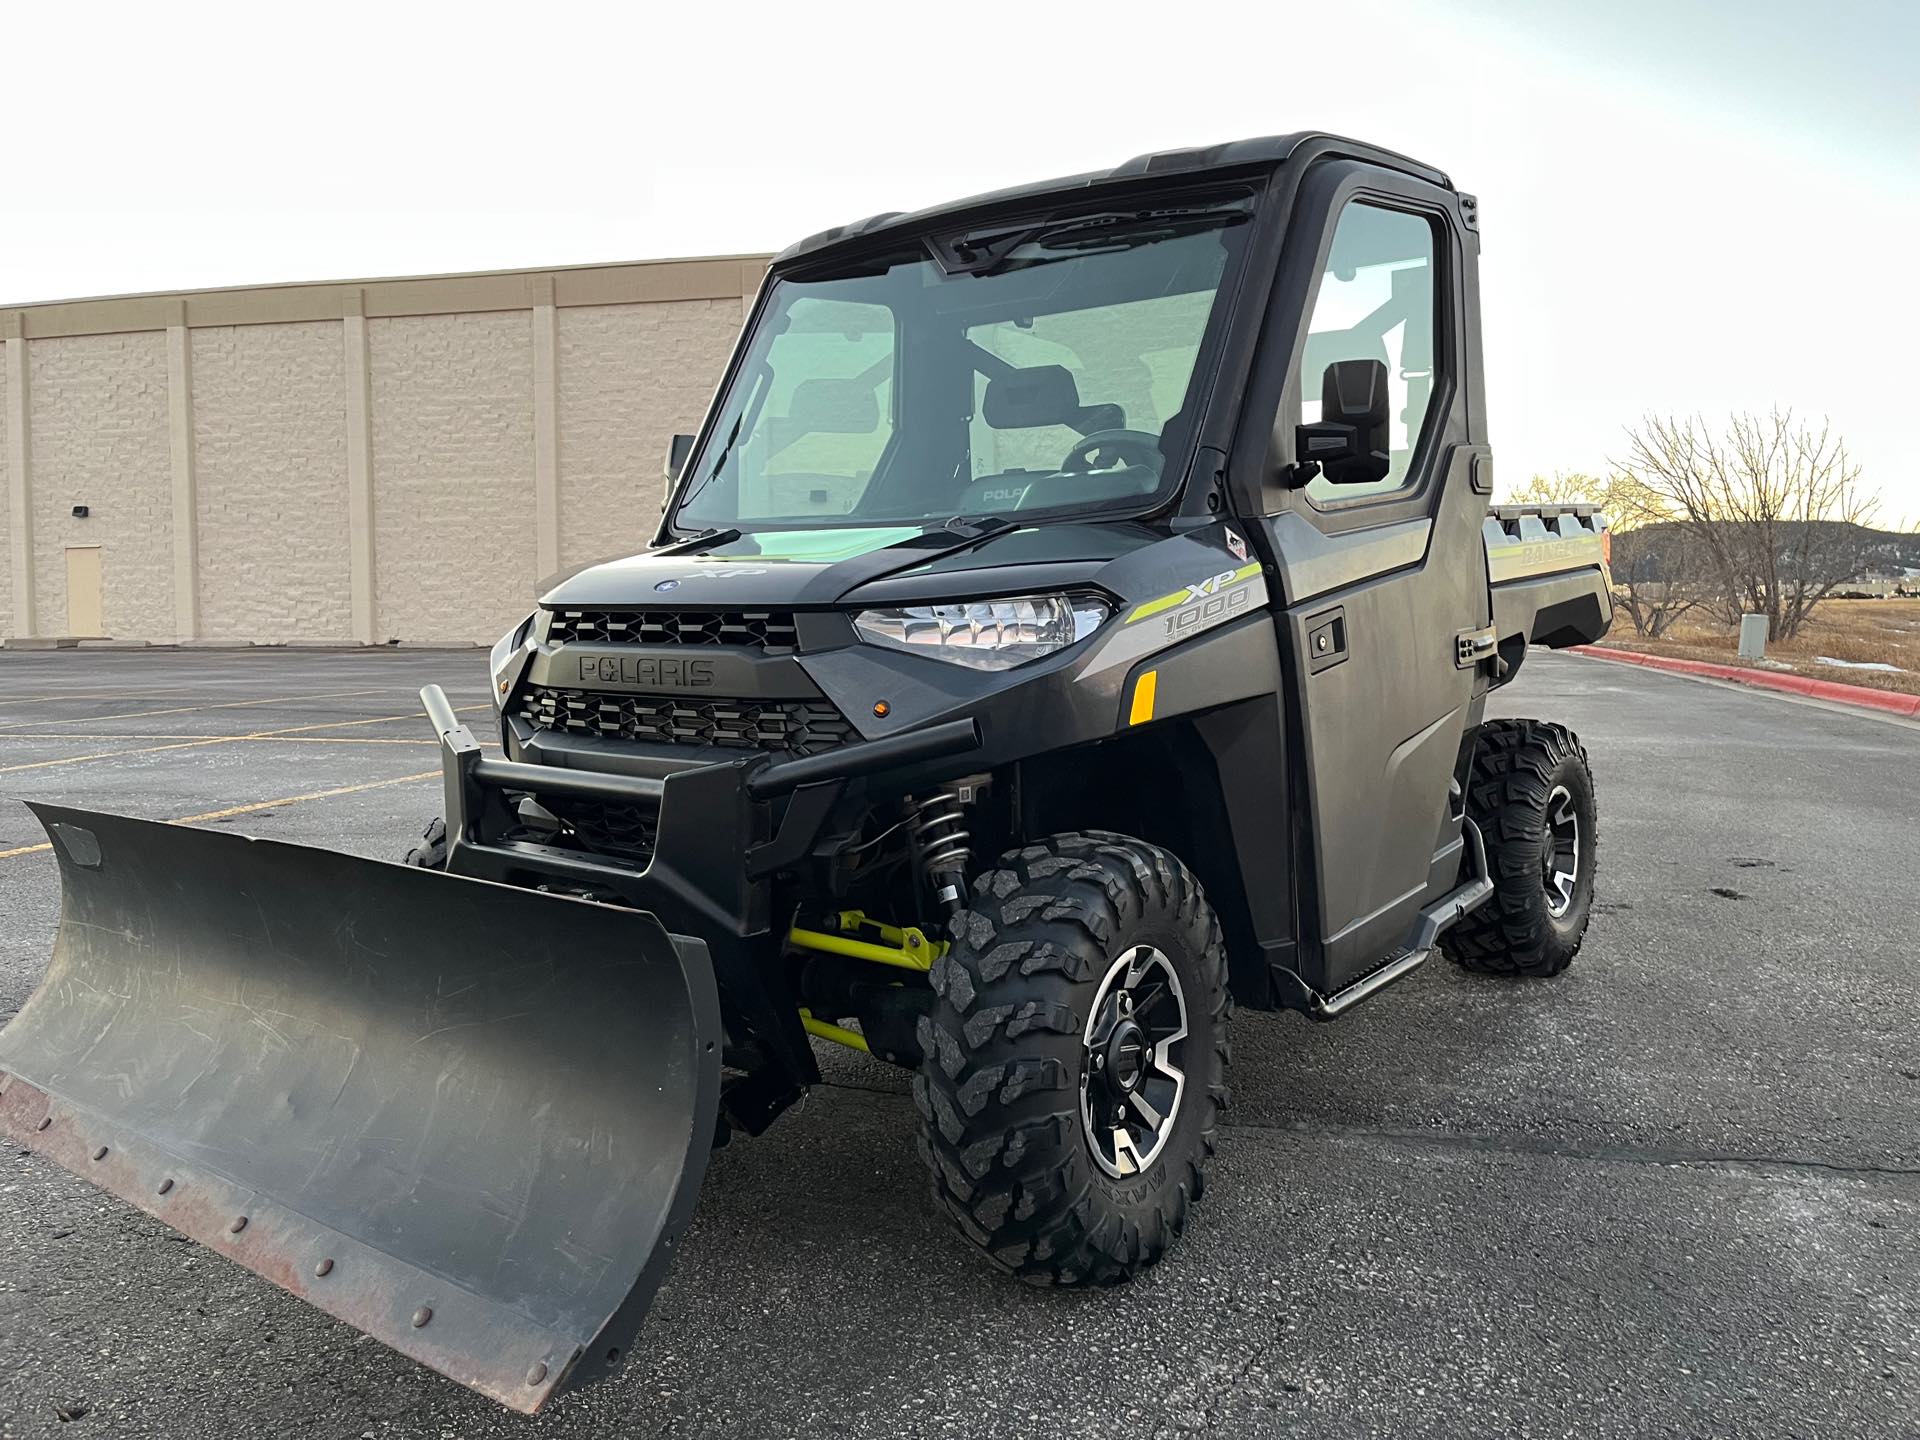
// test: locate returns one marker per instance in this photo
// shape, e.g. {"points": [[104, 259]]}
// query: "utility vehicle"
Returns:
{"points": [[1072, 620]]}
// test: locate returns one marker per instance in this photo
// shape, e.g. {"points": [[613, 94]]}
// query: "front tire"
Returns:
{"points": [[1531, 794], [1083, 999], [431, 851]]}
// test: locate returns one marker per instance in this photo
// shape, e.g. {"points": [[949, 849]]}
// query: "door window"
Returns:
{"points": [[1375, 302]]}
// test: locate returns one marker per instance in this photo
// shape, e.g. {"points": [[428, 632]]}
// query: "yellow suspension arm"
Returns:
{"points": [[902, 947], [838, 1034]]}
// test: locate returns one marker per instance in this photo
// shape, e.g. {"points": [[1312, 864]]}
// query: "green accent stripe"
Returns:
{"points": [[1154, 607], [1167, 602]]}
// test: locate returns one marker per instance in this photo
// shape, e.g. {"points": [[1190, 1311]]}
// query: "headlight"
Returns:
{"points": [[986, 634], [503, 660]]}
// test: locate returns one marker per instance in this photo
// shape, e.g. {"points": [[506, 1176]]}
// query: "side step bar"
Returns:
{"points": [[1434, 921], [1332, 1007]]}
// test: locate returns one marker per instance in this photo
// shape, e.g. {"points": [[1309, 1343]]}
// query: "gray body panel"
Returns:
{"points": [[1384, 721]]}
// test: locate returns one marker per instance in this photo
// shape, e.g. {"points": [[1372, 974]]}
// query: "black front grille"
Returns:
{"points": [[609, 826], [746, 629], [798, 727]]}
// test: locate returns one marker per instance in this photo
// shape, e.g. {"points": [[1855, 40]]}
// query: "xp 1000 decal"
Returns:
{"points": [[1204, 603]]}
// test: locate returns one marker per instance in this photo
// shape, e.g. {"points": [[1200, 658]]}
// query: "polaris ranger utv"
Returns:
{"points": [[1074, 618]]}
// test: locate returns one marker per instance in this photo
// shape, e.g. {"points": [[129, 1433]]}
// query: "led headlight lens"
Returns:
{"points": [[986, 634]]}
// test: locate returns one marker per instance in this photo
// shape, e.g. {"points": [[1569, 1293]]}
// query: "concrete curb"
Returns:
{"points": [[1887, 700]]}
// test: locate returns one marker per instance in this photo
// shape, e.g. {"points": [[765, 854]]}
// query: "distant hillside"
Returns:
{"points": [[1653, 553], [1888, 549]]}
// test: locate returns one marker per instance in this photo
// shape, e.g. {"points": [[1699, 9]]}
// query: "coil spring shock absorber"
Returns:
{"points": [[941, 839]]}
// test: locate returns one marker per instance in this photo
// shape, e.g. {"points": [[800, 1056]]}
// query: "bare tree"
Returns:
{"points": [[1559, 488], [1774, 505], [1624, 502], [1656, 577], [1656, 572]]}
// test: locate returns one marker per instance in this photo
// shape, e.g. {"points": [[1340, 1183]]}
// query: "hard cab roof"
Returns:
{"points": [[1266, 152]]}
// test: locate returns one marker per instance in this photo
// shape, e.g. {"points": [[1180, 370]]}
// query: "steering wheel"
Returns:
{"points": [[1104, 449]]}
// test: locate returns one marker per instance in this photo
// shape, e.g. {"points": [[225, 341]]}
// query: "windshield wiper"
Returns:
{"points": [[979, 252], [1077, 239], [710, 538], [988, 250], [977, 528]]}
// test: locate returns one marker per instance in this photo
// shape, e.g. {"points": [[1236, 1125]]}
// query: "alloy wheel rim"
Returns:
{"points": [[1133, 1072], [1560, 864]]}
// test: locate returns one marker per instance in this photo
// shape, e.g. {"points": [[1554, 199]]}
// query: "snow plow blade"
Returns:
{"points": [[466, 1118]]}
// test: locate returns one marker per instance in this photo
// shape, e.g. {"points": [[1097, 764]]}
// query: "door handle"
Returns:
{"points": [[1326, 639], [1475, 647]]}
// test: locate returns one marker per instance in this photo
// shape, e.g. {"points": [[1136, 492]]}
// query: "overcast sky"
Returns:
{"points": [[1685, 205]]}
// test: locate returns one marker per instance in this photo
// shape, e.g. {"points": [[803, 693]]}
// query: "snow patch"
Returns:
{"points": [[1879, 665]]}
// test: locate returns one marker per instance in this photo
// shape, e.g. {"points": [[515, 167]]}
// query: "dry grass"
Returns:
{"points": [[1886, 631]]}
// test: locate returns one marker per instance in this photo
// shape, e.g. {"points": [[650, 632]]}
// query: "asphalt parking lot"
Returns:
{"points": [[1676, 1191]]}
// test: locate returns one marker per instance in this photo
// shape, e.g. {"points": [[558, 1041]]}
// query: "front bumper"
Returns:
{"points": [[721, 832]]}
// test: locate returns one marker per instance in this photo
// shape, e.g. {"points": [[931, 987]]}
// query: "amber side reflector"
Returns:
{"points": [[1143, 690], [1606, 547]]}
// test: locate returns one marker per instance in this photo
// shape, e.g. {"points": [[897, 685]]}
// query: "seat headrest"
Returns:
{"points": [[1026, 399]]}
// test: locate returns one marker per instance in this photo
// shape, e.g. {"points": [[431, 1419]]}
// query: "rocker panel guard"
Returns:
{"points": [[469, 1119]]}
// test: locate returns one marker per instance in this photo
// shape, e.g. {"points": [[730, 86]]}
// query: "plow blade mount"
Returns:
{"points": [[468, 1119]]}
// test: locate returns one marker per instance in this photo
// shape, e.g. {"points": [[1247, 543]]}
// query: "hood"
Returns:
{"points": [[763, 568], [824, 566]]}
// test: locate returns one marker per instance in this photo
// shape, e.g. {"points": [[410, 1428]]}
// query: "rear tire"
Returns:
{"points": [[431, 852], [1052, 1036], [1531, 794]]}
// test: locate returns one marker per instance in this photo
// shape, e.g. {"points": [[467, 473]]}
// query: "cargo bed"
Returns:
{"points": [[1547, 565]]}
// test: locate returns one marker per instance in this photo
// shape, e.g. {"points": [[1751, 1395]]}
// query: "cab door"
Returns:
{"points": [[1382, 580]]}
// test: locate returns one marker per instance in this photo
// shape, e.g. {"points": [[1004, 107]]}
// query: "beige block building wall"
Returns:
{"points": [[454, 534], [628, 375], [97, 418], [349, 463], [270, 466], [6, 510]]}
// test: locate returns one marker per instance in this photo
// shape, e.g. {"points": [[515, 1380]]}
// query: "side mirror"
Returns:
{"points": [[678, 449], [1349, 442]]}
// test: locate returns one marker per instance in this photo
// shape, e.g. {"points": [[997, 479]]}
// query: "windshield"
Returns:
{"points": [[1034, 369]]}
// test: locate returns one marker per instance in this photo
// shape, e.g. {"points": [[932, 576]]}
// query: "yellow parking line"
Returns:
{"points": [[229, 813], [291, 731], [170, 693], [271, 738], [252, 735], [233, 810], [189, 709], [349, 724], [69, 735], [104, 755]]}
